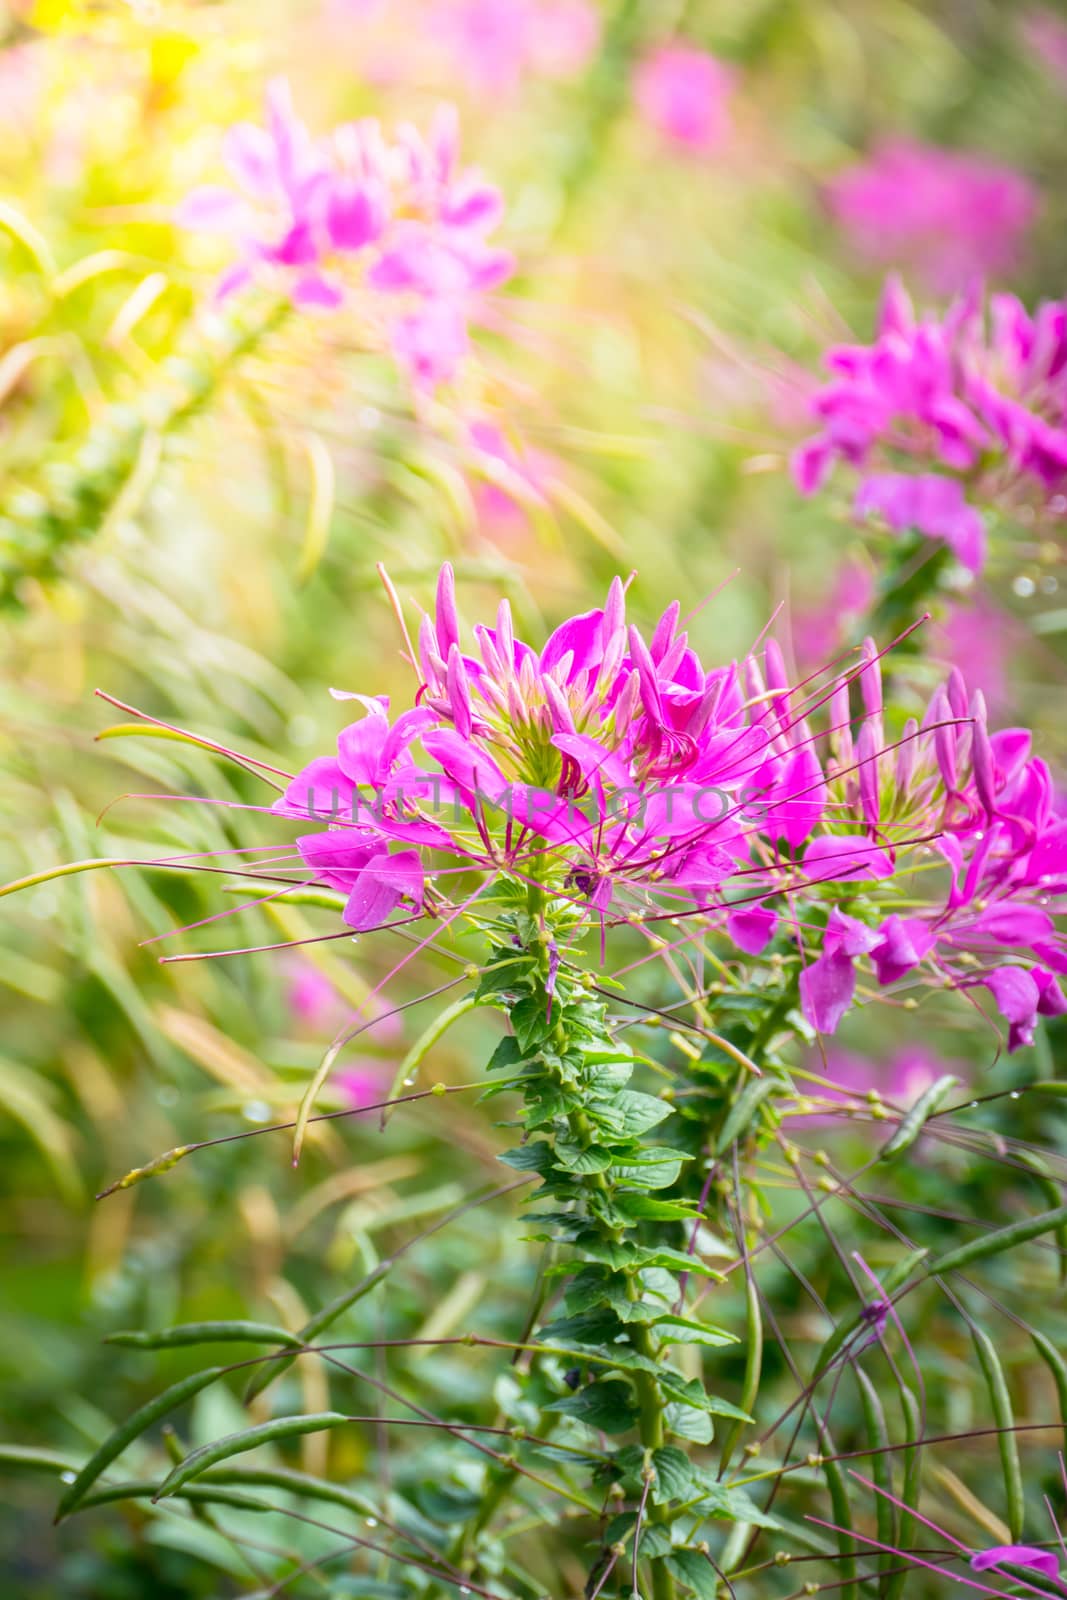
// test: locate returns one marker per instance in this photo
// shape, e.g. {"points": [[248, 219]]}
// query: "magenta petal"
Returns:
{"points": [[312, 290], [359, 748], [383, 883], [322, 792], [338, 857], [581, 638], [213, 209], [751, 927], [902, 944], [1022, 1555], [832, 857], [826, 990]]}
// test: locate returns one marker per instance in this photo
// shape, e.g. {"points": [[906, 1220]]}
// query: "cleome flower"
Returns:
{"points": [[619, 776], [941, 414], [946, 213], [397, 222]]}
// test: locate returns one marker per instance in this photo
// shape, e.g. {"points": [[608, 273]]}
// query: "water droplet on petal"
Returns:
{"points": [[1023, 586]]}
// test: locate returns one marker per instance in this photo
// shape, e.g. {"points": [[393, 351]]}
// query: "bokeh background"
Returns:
{"points": [[193, 502]]}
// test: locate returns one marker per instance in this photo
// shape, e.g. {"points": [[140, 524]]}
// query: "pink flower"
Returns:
{"points": [[311, 997], [821, 631], [306, 213], [515, 479], [959, 409], [362, 1083], [947, 214], [1046, 35], [617, 773], [495, 43], [682, 94]]}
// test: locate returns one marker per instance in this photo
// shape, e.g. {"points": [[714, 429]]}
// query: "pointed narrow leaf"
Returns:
{"points": [[132, 1428], [913, 1123], [206, 1333], [991, 1244], [235, 1444]]}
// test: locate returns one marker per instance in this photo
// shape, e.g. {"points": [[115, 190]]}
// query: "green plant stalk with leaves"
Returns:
{"points": [[618, 1310]]}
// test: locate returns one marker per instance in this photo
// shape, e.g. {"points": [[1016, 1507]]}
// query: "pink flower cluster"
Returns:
{"points": [[494, 44], [617, 774], [977, 399], [945, 214], [303, 211]]}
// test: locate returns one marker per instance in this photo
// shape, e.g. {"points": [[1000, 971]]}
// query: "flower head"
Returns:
{"points": [[616, 773], [947, 214], [397, 226], [939, 414], [494, 44], [682, 94]]}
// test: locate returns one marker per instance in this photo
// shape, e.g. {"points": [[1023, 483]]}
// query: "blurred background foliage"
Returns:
{"points": [[193, 501]]}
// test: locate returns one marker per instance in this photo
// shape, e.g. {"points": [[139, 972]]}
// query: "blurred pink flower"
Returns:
{"points": [[947, 214], [495, 43], [980, 639], [300, 209], [901, 1079], [311, 997], [1046, 35], [500, 511], [818, 633], [682, 93], [363, 1083]]}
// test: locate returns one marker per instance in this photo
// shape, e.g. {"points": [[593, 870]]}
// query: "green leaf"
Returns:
{"points": [[1007, 1440], [235, 1444], [641, 1208], [530, 1021], [686, 1423], [630, 1113], [187, 1333], [537, 1156], [911, 1126], [684, 1330], [607, 1406], [132, 1428], [506, 1055], [694, 1569], [743, 1111], [674, 1475], [575, 1158]]}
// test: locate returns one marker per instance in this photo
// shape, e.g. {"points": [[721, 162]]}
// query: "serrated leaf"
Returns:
{"points": [[584, 1160], [674, 1475], [607, 1406], [630, 1113], [686, 1423], [533, 1157], [642, 1208], [694, 1569], [530, 1021]]}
